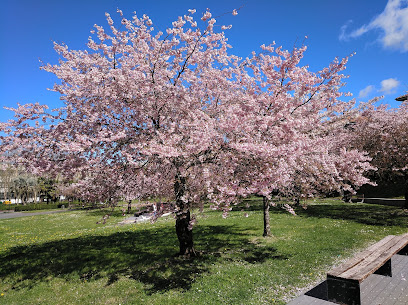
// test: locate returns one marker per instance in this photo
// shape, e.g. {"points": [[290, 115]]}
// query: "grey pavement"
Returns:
{"points": [[141, 218], [9, 215]]}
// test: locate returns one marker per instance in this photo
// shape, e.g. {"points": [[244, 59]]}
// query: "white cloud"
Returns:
{"points": [[388, 85], [343, 35], [393, 23], [366, 91]]}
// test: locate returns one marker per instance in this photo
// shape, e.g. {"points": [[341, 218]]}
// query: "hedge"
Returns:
{"points": [[4, 207], [36, 206], [41, 206]]}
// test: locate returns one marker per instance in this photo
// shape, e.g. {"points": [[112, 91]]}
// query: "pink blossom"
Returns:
{"points": [[288, 208], [178, 116], [207, 15]]}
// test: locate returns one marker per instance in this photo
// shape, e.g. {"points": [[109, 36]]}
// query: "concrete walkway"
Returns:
{"points": [[8, 215], [384, 201], [131, 219], [141, 218]]}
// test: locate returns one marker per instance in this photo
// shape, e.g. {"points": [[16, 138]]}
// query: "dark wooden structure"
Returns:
{"points": [[402, 98], [343, 282]]}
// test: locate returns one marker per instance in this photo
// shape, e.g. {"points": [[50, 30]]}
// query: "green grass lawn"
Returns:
{"points": [[67, 258]]}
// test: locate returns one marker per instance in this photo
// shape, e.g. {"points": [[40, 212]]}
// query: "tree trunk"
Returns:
{"points": [[267, 227], [129, 209], [183, 229], [406, 192], [346, 196]]}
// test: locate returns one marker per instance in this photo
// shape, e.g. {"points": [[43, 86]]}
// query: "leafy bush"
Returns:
{"points": [[4, 207], [43, 206], [37, 206]]}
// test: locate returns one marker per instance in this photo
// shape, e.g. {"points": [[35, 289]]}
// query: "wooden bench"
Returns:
{"points": [[343, 282], [139, 213], [359, 198]]}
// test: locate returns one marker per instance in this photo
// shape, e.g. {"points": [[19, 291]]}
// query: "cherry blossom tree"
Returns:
{"points": [[138, 101], [173, 114], [382, 132], [291, 137]]}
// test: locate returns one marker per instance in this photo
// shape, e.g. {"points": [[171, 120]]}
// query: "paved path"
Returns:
{"points": [[131, 219], [8, 215], [375, 290], [141, 218]]}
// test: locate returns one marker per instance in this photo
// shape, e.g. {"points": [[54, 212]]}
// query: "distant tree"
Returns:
{"points": [[24, 188], [7, 175], [17, 182], [383, 132], [47, 188]]}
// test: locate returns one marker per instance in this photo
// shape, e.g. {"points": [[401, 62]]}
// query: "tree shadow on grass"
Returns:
{"points": [[144, 255], [369, 214], [234, 247]]}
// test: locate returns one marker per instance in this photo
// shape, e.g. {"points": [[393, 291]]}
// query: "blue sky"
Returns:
{"points": [[376, 30]]}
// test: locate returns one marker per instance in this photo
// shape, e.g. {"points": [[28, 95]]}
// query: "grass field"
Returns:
{"points": [[67, 258]]}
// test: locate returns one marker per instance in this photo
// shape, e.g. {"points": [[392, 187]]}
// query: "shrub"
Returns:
{"points": [[4, 207], [37, 206]]}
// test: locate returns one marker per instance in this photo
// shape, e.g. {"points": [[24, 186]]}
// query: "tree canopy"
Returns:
{"points": [[175, 114]]}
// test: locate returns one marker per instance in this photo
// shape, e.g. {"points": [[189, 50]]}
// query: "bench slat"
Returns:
{"points": [[336, 272], [375, 261], [368, 261], [343, 282]]}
